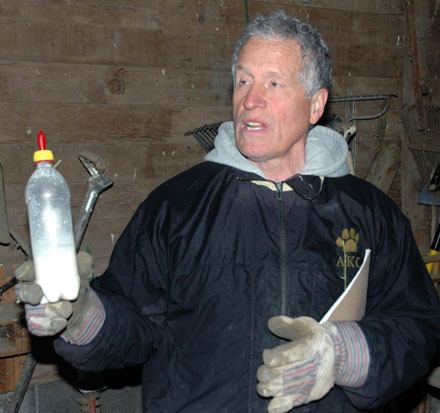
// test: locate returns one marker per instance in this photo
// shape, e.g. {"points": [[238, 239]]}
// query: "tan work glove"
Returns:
{"points": [[306, 368], [79, 320]]}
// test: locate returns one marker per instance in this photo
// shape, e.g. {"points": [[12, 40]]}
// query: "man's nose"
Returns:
{"points": [[255, 98]]}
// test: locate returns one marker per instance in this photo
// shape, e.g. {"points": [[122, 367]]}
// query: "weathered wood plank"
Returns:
{"points": [[196, 17], [357, 60], [367, 85], [434, 40], [346, 26], [61, 41], [73, 83], [125, 14], [170, 17], [371, 6], [99, 45], [350, 36], [82, 123], [433, 80], [435, 89]]}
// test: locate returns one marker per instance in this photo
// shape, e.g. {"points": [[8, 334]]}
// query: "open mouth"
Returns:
{"points": [[254, 126]]}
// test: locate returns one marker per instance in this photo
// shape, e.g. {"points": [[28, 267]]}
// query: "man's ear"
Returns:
{"points": [[317, 105]]}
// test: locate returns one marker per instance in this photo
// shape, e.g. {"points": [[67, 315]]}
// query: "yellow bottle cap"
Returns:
{"points": [[43, 155]]}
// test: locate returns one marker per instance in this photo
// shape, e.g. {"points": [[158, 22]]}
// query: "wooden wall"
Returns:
{"points": [[433, 52], [126, 78]]}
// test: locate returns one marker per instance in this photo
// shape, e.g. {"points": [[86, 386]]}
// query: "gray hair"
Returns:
{"points": [[316, 70]]}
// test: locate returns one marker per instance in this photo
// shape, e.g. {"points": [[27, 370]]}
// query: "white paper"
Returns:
{"points": [[352, 302]]}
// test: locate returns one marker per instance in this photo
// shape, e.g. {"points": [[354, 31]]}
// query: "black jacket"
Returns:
{"points": [[213, 253]]}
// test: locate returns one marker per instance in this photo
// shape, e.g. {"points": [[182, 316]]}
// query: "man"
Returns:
{"points": [[270, 227]]}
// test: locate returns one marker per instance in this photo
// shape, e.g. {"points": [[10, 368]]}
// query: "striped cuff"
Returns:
{"points": [[352, 356], [84, 330]]}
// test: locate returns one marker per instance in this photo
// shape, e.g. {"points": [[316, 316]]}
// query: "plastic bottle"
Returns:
{"points": [[51, 229]]}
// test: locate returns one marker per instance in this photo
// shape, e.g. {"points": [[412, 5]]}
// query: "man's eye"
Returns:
{"points": [[242, 82], [274, 84]]}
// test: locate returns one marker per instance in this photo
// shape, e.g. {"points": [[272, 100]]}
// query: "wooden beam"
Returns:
{"points": [[360, 6]]}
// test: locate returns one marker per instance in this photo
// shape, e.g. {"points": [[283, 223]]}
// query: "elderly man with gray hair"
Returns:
{"points": [[268, 230]]}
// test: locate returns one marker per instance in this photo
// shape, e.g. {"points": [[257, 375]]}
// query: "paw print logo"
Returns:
{"points": [[348, 240]]}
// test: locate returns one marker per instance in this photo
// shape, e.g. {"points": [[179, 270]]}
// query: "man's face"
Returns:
{"points": [[271, 111]]}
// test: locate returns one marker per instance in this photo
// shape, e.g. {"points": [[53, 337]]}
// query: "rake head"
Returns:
{"points": [[424, 143], [205, 135]]}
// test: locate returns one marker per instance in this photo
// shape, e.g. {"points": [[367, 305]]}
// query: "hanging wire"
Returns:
{"points": [[246, 11]]}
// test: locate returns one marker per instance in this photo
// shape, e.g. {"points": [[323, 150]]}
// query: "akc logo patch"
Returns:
{"points": [[348, 240], [348, 260]]}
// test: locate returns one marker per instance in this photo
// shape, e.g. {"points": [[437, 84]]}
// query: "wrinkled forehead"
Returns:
{"points": [[270, 54]]}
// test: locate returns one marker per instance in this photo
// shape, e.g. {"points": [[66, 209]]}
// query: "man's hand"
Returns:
{"points": [[306, 368], [81, 319]]}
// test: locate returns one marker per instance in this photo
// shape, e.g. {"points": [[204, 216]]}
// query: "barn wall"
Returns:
{"points": [[127, 78]]}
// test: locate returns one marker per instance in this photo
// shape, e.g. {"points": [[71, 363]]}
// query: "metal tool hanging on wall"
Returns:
{"points": [[423, 142], [362, 98], [205, 135]]}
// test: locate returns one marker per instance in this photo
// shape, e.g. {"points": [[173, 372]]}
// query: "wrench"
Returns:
{"points": [[96, 184]]}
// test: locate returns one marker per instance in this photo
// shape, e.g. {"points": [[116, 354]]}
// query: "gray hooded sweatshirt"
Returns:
{"points": [[326, 152]]}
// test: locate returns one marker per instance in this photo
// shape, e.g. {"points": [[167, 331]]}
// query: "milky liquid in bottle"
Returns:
{"points": [[51, 230]]}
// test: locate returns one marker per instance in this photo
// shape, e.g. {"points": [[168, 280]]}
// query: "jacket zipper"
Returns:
{"points": [[283, 247]]}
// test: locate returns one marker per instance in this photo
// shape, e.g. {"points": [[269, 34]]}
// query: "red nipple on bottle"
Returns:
{"points": [[41, 140]]}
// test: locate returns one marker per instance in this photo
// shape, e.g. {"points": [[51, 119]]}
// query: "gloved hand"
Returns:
{"points": [[81, 319], [318, 357]]}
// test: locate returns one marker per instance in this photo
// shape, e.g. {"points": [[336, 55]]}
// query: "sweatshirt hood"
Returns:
{"points": [[326, 152]]}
